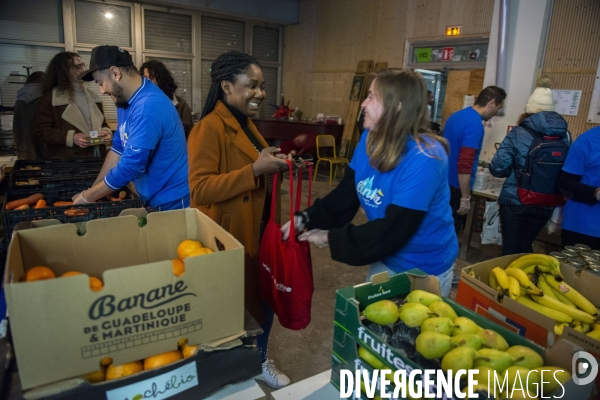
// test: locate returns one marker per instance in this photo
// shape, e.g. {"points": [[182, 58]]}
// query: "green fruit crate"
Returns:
{"points": [[350, 332]]}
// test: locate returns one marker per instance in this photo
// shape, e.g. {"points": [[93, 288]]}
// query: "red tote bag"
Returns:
{"points": [[285, 274]]}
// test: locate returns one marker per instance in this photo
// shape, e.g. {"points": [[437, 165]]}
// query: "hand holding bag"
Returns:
{"points": [[285, 267]]}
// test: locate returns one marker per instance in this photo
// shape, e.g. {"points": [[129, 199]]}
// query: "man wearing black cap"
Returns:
{"points": [[149, 147]]}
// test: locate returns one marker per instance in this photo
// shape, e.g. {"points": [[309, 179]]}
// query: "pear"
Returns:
{"points": [[467, 340], [423, 297], [464, 325], [459, 358], [494, 359], [383, 312], [438, 324], [413, 314], [433, 345], [364, 390], [522, 378], [370, 358], [443, 309], [479, 390], [493, 340], [550, 376], [484, 375], [525, 357]]}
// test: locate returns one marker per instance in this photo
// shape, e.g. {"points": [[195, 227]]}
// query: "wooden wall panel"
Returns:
{"points": [[584, 82], [572, 53], [321, 52], [461, 83]]}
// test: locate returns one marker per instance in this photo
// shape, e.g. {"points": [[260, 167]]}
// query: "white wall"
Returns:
{"points": [[527, 26]]}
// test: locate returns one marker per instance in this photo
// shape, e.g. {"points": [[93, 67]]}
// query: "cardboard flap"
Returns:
{"points": [[381, 277], [36, 224]]}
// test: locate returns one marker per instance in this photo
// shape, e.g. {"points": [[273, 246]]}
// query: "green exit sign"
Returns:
{"points": [[423, 54]]}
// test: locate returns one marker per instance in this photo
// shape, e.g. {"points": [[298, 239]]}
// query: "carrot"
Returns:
{"points": [[31, 200], [122, 196], [40, 204], [76, 212], [62, 203], [23, 207]]}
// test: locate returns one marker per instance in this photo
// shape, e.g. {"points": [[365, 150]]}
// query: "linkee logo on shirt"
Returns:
{"points": [[123, 134], [371, 196]]}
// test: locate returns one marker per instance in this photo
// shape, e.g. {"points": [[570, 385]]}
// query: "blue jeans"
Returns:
{"points": [[178, 204], [262, 340], [520, 227], [445, 277]]}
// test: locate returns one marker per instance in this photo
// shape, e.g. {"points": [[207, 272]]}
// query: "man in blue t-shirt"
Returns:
{"points": [[149, 148], [464, 131], [580, 181]]}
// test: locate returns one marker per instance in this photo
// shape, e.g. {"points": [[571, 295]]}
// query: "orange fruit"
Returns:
{"points": [[70, 273], [121, 371], [178, 267], [162, 359], [38, 274], [200, 252], [105, 362], [186, 247], [96, 284], [188, 351], [95, 377]]}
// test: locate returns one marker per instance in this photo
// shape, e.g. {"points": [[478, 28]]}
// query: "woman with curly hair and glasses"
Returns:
{"points": [[158, 73], [68, 111]]}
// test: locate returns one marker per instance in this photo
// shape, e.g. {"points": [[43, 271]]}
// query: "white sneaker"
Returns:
{"points": [[272, 376]]}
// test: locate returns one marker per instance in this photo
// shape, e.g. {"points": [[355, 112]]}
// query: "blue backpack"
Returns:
{"points": [[537, 182]]}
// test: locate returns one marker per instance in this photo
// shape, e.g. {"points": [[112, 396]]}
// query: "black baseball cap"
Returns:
{"points": [[104, 57]]}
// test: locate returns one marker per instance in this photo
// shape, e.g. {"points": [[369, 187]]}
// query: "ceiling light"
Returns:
{"points": [[108, 15]]}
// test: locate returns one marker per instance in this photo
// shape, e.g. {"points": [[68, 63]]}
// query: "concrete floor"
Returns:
{"points": [[302, 354]]}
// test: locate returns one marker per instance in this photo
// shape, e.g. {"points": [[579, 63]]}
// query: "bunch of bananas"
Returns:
{"points": [[535, 281]]}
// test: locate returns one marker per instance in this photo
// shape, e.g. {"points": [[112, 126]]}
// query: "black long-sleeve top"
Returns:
{"points": [[366, 243], [570, 185]]}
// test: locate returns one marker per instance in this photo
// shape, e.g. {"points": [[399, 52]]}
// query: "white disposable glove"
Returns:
{"points": [[79, 199], [465, 206], [299, 225], [317, 237]]}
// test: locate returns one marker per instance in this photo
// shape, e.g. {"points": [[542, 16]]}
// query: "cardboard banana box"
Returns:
{"points": [[62, 329]]}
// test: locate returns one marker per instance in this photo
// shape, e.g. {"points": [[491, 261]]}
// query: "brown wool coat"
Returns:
{"points": [[223, 186], [58, 119], [185, 113]]}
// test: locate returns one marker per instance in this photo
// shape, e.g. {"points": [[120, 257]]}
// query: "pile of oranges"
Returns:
{"points": [[41, 273], [108, 371], [187, 248]]}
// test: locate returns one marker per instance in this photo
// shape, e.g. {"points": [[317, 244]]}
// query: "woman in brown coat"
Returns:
{"points": [[230, 174], [68, 112]]}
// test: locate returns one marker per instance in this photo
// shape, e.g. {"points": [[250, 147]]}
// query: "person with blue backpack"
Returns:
{"points": [[531, 157]]}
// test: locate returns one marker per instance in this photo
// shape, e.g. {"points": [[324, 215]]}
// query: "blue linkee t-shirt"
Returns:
{"points": [[464, 128], [584, 159], [418, 182], [151, 142]]}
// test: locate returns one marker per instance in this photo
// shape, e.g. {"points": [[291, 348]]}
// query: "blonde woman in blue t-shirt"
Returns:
{"points": [[399, 175]]}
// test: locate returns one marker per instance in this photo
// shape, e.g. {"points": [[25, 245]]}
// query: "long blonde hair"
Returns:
{"points": [[386, 143]]}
